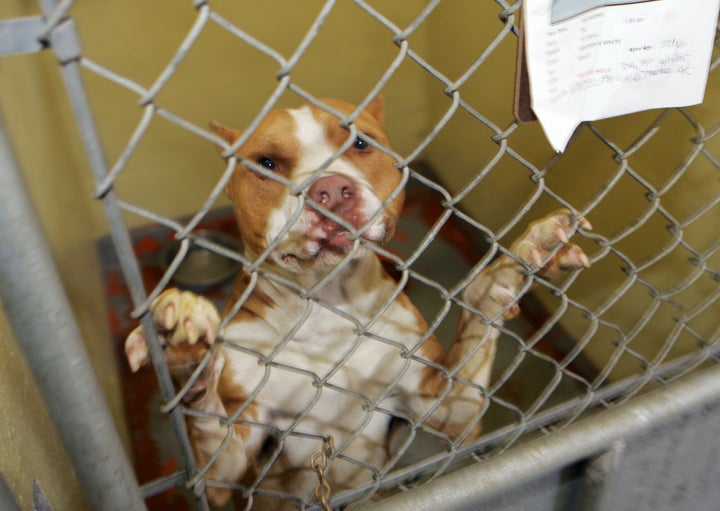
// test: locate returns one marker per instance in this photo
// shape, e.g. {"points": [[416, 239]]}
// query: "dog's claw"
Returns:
{"points": [[584, 259], [136, 349], [561, 235], [191, 331]]}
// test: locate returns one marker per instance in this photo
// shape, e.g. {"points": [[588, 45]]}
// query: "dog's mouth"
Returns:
{"points": [[339, 243], [331, 235], [328, 242], [340, 221]]}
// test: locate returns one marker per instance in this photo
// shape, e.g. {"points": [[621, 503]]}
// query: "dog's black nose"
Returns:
{"points": [[335, 193]]}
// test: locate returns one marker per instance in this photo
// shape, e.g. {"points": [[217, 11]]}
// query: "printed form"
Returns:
{"points": [[593, 59]]}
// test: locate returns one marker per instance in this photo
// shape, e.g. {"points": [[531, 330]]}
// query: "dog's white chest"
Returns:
{"points": [[350, 351]]}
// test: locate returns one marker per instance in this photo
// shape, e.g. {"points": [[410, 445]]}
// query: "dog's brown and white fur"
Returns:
{"points": [[302, 368]]}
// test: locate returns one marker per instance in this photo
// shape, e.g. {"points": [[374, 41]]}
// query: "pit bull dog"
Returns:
{"points": [[321, 341]]}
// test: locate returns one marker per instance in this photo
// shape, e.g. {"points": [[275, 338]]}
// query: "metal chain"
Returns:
{"points": [[318, 463]]}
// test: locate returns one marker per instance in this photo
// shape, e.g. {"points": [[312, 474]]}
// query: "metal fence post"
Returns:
{"points": [[44, 326]]}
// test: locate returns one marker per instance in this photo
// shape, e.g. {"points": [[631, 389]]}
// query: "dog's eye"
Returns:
{"points": [[267, 163], [361, 144]]}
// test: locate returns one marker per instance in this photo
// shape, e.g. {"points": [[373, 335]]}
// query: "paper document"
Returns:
{"points": [[609, 58]]}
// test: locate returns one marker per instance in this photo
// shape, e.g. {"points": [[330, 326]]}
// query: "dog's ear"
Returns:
{"points": [[229, 135], [376, 108]]}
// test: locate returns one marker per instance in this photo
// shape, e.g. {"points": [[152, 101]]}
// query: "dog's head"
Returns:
{"points": [[326, 202]]}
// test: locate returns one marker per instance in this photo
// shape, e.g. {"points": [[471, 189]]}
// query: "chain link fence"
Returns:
{"points": [[644, 315]]}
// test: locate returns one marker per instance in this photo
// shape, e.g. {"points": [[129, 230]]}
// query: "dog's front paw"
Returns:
{"points": [[545, 247], [187, 325]]}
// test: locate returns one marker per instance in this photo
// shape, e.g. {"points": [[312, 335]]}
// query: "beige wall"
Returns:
{"points": [[223, 79]]}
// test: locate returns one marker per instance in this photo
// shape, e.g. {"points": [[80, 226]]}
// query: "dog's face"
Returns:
{"points": [[292, 145]]}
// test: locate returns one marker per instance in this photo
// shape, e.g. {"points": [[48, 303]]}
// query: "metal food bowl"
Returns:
{"points": [[202, 267]]}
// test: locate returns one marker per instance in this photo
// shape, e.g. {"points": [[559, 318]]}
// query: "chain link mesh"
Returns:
{"points": [[643, 315]]}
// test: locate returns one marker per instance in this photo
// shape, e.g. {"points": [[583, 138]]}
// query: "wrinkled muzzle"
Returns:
{"points": [[335, 213]]}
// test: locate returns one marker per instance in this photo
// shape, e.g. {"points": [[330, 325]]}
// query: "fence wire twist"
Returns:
{"points": [[612, 249]]}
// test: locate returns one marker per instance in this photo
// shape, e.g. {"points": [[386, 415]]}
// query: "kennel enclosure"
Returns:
{"points": [[605, 395]]}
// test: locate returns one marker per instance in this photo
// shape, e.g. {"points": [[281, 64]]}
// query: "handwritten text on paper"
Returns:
{"points": [[616, 60]]}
